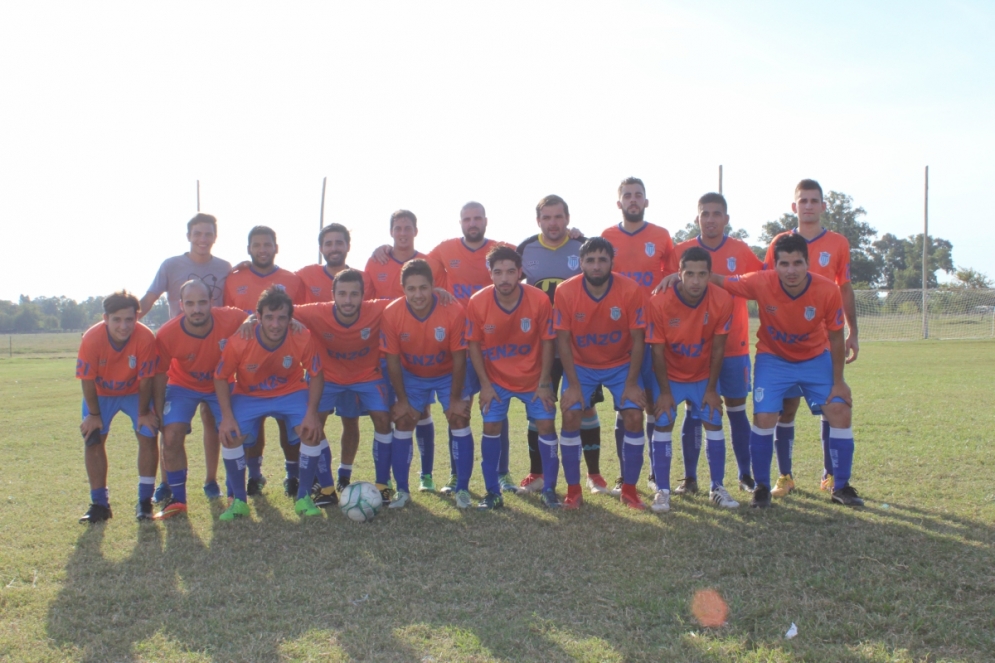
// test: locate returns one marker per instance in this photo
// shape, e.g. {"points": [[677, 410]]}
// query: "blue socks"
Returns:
{"points": [[400, 459], [761, 453], [490, 461], [650, 427], [146, 488], [255, 467], [715, 452], [462, 449], [661, 456], [452, 453], [99, 496], [550, 460], [570, 450], [620, 442], [841, 448], [382, 449], [307, 467], [178, 485], [691, 445], [784, 439], [235, 464], [739, 430], [325, 465], [425, 435], [633, 444], [505, 448], [827, 458]]}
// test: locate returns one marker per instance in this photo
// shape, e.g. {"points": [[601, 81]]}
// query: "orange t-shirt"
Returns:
{"points": [[732, 257], [828, 256], [116, 370], [600, 329], [351, 352], [243, 287], [318, 284], [511, 341], [425, 346], [386, 279], [266, 373], [460, 269], [190, 360], [687, 332], [645, 256], [793, 328]]}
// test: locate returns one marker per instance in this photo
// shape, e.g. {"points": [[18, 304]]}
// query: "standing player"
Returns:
{"points": [[386, 276], [510, 333], [271, 369], [243, 288], [189, 348], [425, 345], [116, 365], [830, 258], [801, 315], [548, 259], [600, 326], [688, 324]]}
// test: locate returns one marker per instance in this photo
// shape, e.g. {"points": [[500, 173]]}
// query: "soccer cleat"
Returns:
{"points": [[401, 499], [305, 506], [426, 484], [761, 497], [450, 487], [687, 486], [550, 500], [574, 498], [143, 510], [255, 486], [651, 483], [661, 502], [341, 484], [532, 483], [323, 500], [597, 484], [211, 490], [491, 501], [827, 483], [785, 484], [97, 513], [162, 493], [630, 498], [847, 496], [747, 484], [617, 489], [386, 493], [237, 509], [508, 485], [290, 486], [463, 499], [721, 497], [170, 509]]}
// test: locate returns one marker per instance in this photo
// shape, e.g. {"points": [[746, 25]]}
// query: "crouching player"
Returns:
{"points": [[425, 348], [600, 325], [510, 333], [688, 324], [799, 313], [116, 365], [271, 369]]}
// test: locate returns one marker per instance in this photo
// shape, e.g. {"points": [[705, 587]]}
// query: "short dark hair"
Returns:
{"points": [[713, 198], [696, 254], [631, 180], [262, 230], [552, 200], [791, 243], [597, 244], [473, 203], [403, 214], [119, 300], [808, 185], [416, 267], [202, 218], [273, 299], [349, 276], [334, 228], [504, 253]]}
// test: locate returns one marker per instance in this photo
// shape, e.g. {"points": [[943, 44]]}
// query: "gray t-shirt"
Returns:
{"points": [[546, 268], [176, 271]]}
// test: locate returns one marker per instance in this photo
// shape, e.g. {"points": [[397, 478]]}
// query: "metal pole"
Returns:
{"points": [[321, 214], [925, 253], [198, 195], [720, 178]]}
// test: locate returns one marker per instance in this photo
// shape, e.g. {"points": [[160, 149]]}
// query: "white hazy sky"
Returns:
{"points": [[109, 113]]}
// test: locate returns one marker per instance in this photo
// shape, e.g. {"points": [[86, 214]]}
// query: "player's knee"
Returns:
{"points": [[545, 426], [174, 435], [632, 419], [765, 419], [571, 420], [734, 402], [350, 425], [206, 416], [492, 428], [839, 415]]}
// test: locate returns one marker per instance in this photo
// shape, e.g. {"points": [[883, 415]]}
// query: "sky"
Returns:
{"points": [[111, 112]]}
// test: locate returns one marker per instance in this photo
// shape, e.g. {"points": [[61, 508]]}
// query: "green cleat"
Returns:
{"points": [[237, 509], [305, 507], [508, 484], [426, 485], [491, 501], [450, 487]]}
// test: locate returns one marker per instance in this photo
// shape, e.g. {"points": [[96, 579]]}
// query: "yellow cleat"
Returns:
{"points": [[785, 484], [827, 483]]}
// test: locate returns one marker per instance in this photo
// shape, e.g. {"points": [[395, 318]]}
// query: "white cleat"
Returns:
{"points": [[617, 490], [661, 501], [401, 498], [651, 484], [721, 497], [597, 484]]}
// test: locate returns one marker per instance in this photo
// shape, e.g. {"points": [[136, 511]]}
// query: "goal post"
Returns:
{"points": [[950, 313]]}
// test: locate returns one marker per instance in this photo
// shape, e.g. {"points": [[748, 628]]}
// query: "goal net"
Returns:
{"points": [[896, 315]]}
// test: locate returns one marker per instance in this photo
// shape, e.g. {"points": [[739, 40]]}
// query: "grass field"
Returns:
{"points": [[911, 577]]}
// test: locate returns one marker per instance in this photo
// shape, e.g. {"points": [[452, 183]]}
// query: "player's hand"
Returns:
{"points": [[245, 264], [487, 395], [665, 406], [310, 428], [402, 410], [545, 394], [574, 233], [296, 327], [840, 390], [90, 423], [458, 408], [246, 328], [852, 348], [572, 395], [229, 433], [382, 254], [445, 297], [712, 400], [635, 394], [668, 281]]}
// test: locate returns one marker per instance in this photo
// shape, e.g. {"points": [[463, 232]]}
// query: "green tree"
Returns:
{"points": [[968, 277], [27, 319], [901, 261]]}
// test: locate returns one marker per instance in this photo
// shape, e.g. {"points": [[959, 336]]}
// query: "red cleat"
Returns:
{"points": [[531, 484], [574, 498], [630, 498]]}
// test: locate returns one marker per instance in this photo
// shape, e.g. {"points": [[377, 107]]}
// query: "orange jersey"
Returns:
{"points": [[243, 287], [425, 346], [267, 373], [462, 270], [828, 256], [511, 341], [351, 352], [793, 328], [116, 370], [600, 329], [386, 279], [732, 257], [687, 332], [645, 256], [190, 360], [318, 284]]}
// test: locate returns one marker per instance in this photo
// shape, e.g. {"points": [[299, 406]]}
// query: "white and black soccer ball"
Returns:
{"points": [[360, 501]]}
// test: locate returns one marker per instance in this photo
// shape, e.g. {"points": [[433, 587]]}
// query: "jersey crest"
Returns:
{"points": [[315, 290], [731, 264], [440, 333], [288, 361], [364, 333], [824, 258], [489, 329], [132, 361], [810, 313], [650, 249], [453, 264], [705, 321], [526, 324], [616, 312], [222, 343], [573, 262], [758, 394]]}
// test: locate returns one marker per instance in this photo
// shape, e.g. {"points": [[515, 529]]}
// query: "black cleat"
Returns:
{"points": [[290, 486], [491, 501], [687, 486], [97, 513], [747, 484], [761, 497], [342, 483], [143, 511], [847, 496], [255, 486], [325, 500]]}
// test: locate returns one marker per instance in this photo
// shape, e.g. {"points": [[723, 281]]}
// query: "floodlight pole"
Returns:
{"points": [[321, 214], [720, 179], [925, 253], [198, 195]]}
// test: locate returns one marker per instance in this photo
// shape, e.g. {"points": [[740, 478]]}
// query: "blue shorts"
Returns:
{"points": [[498, 410], [181, 405], [111, 405], [422, 392], [692, 393], [612, 378], [471, 385], [388, 389], [249, 412], [734, 380], [350, 400], [777, 378]]}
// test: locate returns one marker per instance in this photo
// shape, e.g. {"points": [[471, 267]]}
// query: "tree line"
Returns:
{"points": [[54, 314]]}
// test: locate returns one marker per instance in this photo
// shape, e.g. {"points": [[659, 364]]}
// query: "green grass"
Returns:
{"points": [[912, 581]]}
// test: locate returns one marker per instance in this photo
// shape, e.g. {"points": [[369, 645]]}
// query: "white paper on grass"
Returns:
{"points": [[792, 632]]}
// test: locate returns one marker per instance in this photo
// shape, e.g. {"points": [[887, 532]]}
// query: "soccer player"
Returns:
{"points": [[242, 290], [510, 336], [548, 259], [425, 345], [729, 257], [189, 348], [386, 277], [687, 328], [116, 365], [830, 257], [198, 263], [271, 369], [801, 315], [600, 325]]}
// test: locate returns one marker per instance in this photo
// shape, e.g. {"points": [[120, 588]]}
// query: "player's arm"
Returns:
{"points": [[487, 393], [852, 345], [159, 392], [665, 401], [311, 425], [401, 407], [382, 253], [92, 422], [633, 391], [544, 392], [711, 397], [148, 301], [457, 406], [837, 350], [146, 415], [228, 429], [572, 394]]}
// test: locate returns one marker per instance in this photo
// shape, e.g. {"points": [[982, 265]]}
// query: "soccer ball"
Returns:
{"points": [[360, 501]]}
